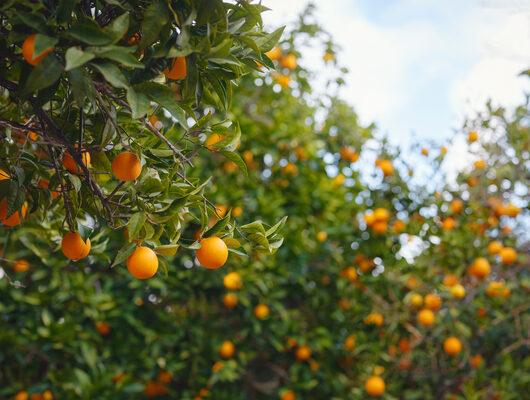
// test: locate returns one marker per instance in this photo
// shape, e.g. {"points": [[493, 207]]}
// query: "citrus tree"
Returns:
{"points": [[382, 286]]}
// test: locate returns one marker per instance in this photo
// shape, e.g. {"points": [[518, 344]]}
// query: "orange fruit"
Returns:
{"points": [[178, 69], [380, 227], [232, 281], [385, 166], [74, 247], [261, 311], [433, 302], [511, 210], [452, 346], [381, 214], [126, 166], [288, 61], [227, 349], [369, 218], [282, 80], [290, 169], [303, 353], [322, 236], [448, 223], [103, 328], [71, 165], [458, 291], [374, 386], [349, 342], [288, 395], [404, 345], [142, 263], [450, 280], [154, 389], [426, 317], [15, 218], [230, 300], [480, 268], [47, 395], [28, 51], [375, 318], [274, 54], [398, 226], [212, 140], [350, 273], [494, 248], [416, 300], [164, 377], [21, 266], [508, 255], [425, 152], [457, 206], [213, 252], [349, 154], [479, 164], [476, 361], [237, 211], [22, 395]]}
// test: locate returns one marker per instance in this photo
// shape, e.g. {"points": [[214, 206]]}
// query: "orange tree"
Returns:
{"points": [[343, 309]]}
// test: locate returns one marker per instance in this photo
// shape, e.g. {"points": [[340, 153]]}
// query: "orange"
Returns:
{"points": [[103, 328], [322, 236], [71, 165], [433, 302], [374, 386], [232, 281], [416, 300], [282, 80], [458, 291], [350, 273], [480, 268], [230, 300], [178, 69], [47, 395], [303, 353], [494, 248], [398, 226], [261, 311], [126, 166], [349, 154], [479, 164], [425, 152], [472, 136], [380, 227], [496, 289], [476, 361], [375, 318], [369, 218], [452, 346], [511, 210], [227, 349], [212, 140], [74, 247], [28, 51], [213, 252], [508, 255], [426, 317], [386, 166], [237, 211], [288, 395], [142, 263], [15, 218], [448, 224], [290, 169], [404, 345], [457, 206], [154, 389], [221, 210], [288, 61], [22, 395], [381, 214], [21, 266], [164, 377], [450, 280], [349, 342]]}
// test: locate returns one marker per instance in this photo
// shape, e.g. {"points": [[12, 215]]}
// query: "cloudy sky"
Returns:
{"points": [[417, 66]]}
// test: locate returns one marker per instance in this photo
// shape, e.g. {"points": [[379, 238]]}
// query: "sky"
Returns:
{"points": [[417, 67]]}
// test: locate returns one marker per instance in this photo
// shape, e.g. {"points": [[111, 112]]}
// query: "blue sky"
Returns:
{"points": [[422, 65]]}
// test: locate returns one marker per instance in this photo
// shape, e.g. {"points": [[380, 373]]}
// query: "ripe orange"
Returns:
{"points": [[457, 206], [28, 51], [22, 395], [71, 165], [322, 236], [433, 302], [103, 328], [15, 218], [350, 273], [374, 386], [142, 263], [349, 154], [426, 317], [404, 345], [274, 54], [472, 136], [213, 252], [476, 361], [349, 342], [232, 281], [374, 318], [452, 346], [508, 255], [282, 80], [480, 268], [386, 166], [230, 300], [178, 69], [369, 218], [126, 166], [212, 140], [398, 226], [288, 61], [303, 353], [416, 300], [458, 291], [380, 227], [381, 214], [74, 247], [21, 266], [479, 164], [227, 349], [450, 280], [494, 248], [261, 311], [164, 377], [47, 395], [154, 389], [425, 152], [288, 395], [448, 223], [237, 211]]}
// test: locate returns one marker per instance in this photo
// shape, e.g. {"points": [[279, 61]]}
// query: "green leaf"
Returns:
{"points": [[155, 17], [90, 33], [164, 96], [112, 75], [235, 158], [43, 42], [270, 40], [64, 10], [119, 54], [123, 254], [75, 57], [167, 250], [81, 86], [138, 102], [135, 224], [118, 28], [45, 74]]}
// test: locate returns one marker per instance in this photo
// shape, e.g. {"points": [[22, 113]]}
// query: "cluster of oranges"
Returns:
{"points": [[288, 62]]}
